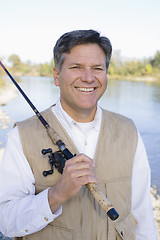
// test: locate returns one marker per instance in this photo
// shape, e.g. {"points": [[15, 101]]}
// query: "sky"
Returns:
{"points": [[30, 28]]}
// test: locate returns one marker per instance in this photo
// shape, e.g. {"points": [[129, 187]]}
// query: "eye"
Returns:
{"points": [[75, 67], [98, 69]]}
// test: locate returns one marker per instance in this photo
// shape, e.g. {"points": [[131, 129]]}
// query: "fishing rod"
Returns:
{"points": [[59, 159]]}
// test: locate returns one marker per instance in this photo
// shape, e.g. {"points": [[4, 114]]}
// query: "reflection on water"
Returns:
{"points": [[139, 101]]}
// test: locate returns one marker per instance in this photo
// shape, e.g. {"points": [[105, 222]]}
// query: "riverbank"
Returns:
{"points": [[156, 208], [7, 93], [135, 78]]}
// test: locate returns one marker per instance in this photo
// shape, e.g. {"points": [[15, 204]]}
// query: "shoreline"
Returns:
{"points": [[7, 93], [134, 78]]}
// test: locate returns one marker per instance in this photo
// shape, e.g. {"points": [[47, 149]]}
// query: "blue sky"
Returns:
{"points": [[30, 28]]}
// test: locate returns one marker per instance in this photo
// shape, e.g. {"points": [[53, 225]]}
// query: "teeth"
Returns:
{"points": [[85, 89]]}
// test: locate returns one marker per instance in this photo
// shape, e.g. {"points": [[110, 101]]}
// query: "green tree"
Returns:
{"points": [[155, 62], [16, 64], [149, 68], [111, 69], [46, 69], [15, 60]]}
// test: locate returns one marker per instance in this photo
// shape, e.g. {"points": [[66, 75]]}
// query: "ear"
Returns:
{"points": [[56, 76]]}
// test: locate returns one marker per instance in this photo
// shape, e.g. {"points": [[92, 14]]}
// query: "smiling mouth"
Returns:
{"points": [[85, 89]]}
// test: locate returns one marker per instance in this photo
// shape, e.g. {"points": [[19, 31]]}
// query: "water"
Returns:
{"points": [[139, 101]]}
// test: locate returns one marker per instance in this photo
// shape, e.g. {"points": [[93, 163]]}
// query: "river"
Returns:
{"points": [[139, 101]]}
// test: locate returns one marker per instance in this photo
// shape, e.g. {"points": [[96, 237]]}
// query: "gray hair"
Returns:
{"points": [[71, 39]]}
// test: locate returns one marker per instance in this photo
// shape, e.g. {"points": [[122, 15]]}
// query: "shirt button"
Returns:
{"points": [[26, 230], [46, 219], [86, 143]]}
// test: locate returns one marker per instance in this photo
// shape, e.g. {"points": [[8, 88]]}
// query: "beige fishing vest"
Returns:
{"points": [[82, 218]]}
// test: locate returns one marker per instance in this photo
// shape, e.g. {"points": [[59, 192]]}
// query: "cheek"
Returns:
{"points": [[104, 83], [67, 80]]}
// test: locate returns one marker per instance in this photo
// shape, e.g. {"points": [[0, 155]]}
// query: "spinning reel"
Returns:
{"points": [[56, 159]]}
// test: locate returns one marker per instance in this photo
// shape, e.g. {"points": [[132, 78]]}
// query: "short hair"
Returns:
{"points": [[71, 39]]}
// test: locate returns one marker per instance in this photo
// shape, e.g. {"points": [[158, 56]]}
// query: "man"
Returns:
{"points": [[109, 152]]}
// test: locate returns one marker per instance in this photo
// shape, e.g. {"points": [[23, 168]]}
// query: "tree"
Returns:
{"points": [[155, 62], [46, 69], [14, 59], [149, 68]]}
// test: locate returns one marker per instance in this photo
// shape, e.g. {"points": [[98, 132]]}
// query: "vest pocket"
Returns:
{"points": [[51, 232], [125, 228]]}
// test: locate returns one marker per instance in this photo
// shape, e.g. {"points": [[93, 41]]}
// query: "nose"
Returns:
{"points": [[87, 76]]}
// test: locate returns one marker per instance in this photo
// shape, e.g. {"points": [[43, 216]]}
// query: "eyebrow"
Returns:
{"points": [[94, 65], [98, 65]]}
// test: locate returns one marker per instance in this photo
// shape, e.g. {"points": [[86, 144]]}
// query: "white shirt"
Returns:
{"points": [[17, 190]]}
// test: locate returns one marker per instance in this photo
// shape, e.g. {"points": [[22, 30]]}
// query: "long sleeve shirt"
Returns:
{"points": [[22, 212]]}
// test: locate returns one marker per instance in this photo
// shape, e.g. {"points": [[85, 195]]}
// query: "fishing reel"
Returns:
{"points": [[56, 159]]}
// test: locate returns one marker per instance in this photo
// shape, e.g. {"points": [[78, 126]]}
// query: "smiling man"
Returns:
{"points": [[108, 151], [82, 81]]}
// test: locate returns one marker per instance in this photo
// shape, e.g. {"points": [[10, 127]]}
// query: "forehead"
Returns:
{"points": [[86, 52]]}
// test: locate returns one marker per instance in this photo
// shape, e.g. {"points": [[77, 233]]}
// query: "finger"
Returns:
{"points": [[83, 172], [88, 179], [79, 169], [80, 158]]}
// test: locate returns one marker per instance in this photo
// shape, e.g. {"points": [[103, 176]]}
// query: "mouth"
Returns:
{"points": [[82, 89]]}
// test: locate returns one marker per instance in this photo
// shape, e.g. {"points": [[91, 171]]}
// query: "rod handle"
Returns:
{"points": [[103, 201]]}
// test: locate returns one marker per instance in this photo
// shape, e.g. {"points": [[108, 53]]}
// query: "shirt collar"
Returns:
{"points": [[64, 117]]}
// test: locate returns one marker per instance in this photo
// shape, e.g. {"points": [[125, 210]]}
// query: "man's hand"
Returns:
{"points": [[77, 172]]}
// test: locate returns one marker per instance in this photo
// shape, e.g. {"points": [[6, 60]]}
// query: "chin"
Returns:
{"points": [[86, 108]]}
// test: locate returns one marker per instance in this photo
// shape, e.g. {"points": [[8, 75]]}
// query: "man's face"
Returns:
{"points": [[82, 80]]}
